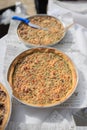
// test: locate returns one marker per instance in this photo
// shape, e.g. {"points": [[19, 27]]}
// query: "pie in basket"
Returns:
{"points": [[31, 36], [4, 107], [42, 77]]}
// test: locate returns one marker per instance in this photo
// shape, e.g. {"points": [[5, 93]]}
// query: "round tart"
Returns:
{"points": [[38, 37], [42, 77], [4, 107]]}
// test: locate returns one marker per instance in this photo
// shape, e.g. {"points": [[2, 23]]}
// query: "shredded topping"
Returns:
{"points": [[55, 31], [4, 107], [42, 78]]}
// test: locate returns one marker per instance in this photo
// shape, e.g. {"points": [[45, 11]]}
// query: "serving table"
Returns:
{"points": [[59, 117]]}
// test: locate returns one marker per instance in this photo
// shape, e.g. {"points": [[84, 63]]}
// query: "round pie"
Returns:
{"points": [[42, 77], [39, 37], [4, 107]]}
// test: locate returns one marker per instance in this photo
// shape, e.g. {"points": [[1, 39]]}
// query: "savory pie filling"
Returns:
{"points": [[43, 77], [4, 107], [34, 36]]}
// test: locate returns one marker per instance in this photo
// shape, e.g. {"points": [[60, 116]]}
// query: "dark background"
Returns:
{"points": [[4, 28]]}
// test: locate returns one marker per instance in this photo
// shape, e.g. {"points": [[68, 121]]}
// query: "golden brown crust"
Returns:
{"points": [[42, 77], [4, 107], [32, 36]]}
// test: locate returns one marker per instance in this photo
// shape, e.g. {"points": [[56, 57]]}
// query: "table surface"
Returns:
{"points": [[11, 32]]}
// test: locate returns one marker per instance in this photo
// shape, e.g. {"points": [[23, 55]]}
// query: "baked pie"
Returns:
{"points": [[4, 107], [42, 77], [31, 36]]}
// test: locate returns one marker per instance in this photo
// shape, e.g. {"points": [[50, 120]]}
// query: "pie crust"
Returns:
{"points": [[4, 107], [38, 37], [42, 77]]}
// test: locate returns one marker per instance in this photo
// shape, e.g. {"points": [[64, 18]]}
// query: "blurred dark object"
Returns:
{"points": [[11, 7], [4, 28], [41, 6]]}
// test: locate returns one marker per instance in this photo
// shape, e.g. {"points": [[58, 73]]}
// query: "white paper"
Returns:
{"points": [[76, 6], [22, 117], [58, 121], [81, 128], [57, 8], [54, 121], [69, 45]]}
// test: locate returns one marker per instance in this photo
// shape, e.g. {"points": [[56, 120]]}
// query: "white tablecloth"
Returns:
{"points": [[80, 18]]}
